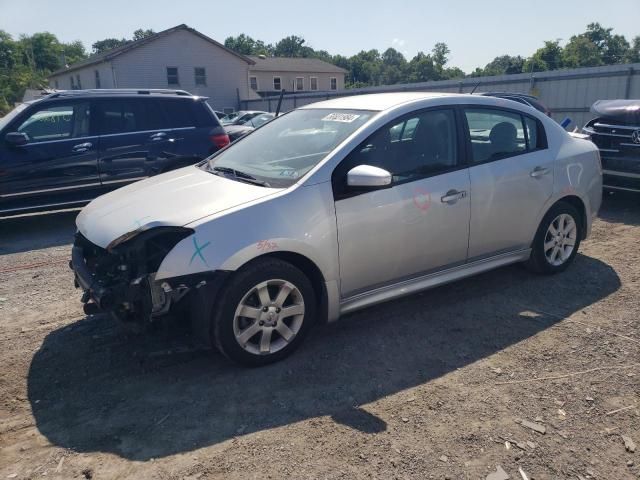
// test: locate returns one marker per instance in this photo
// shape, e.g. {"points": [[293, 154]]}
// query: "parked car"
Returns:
{"points": [[322, 211], [237, 131], [616, 132], [239, 118], [69, 147], [521, 98]]}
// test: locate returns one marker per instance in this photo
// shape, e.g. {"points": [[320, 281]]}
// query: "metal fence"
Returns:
{"points": [[567, 93]]}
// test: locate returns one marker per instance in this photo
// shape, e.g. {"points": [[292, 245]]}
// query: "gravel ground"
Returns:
{"points": [[506, 369]]}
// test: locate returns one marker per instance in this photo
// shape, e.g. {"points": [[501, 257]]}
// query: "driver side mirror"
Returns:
{"points": [[368, 176], [17, 138]]}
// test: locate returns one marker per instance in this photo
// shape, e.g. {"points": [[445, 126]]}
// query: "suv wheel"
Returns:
{"points": [[265, 312], [557, 240]]}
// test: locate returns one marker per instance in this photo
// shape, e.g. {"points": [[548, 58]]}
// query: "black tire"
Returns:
{"points": [[240, 284], [538, 262]]}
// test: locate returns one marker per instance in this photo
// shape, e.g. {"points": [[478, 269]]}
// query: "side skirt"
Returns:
{"points": [[407, 287]]}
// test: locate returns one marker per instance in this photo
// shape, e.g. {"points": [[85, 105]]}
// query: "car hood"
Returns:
{"points": [[627, 111], [172, 199]]}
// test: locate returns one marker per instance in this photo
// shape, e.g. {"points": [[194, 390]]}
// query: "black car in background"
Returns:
{"points": [[616, 132], [69, 147], [521, 98]]}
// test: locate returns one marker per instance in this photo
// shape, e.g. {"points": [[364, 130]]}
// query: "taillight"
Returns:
{"points": [[221, 140]]}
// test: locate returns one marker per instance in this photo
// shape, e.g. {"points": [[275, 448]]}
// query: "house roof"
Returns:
{"points": [[288, 64], [114, 52]]}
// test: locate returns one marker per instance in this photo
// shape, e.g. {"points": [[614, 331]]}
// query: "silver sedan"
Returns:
{"points": [[334, 207]]}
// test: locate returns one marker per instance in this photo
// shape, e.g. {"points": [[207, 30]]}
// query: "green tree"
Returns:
{"points": [[581, 52], [440, 54], [291, 46], [139, 34], [633, 54], [548, 57], [242, 44], [504, 65], [421, 68], [73, 52], [107, 44]]}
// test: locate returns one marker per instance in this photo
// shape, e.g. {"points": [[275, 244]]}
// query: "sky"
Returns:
{"points": [[476, 32]]}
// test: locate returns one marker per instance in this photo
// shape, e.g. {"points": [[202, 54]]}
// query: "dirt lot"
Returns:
{"points": [[423, 387]]}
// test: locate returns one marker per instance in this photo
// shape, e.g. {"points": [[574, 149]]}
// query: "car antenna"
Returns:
{"points": [[474, 88], [279, 102]]}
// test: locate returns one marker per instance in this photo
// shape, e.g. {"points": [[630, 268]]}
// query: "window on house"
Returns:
{"points": [[277, 83], [72, 83], [253, 83], [313, 83], [200, 75], [299, 83], [172, 76], [97, 73], [334, 83], [78, 84], [56, 84]]}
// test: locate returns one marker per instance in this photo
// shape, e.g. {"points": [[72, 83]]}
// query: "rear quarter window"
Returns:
{"points": [[183, 113]]}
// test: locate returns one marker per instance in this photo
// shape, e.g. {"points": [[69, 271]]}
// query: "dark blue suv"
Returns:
{"points": [[69, 147]]}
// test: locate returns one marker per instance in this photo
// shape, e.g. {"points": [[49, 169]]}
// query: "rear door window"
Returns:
{"points": [[129, 116], [495, 134]]}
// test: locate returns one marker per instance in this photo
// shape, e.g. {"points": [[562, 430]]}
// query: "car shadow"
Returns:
{"points": [[36, 232], [92, 388]]}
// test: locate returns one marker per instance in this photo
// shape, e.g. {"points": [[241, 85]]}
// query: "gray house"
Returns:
{"points": [[269, 75], [183, 58], [180, 58]]}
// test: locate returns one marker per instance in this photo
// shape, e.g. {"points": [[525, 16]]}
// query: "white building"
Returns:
{"points": [[183, 58]]}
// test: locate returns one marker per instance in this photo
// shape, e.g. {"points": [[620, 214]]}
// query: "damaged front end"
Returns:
{"points": [[121, 278]]}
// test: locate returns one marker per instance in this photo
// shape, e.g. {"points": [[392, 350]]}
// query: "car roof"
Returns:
{"points": [[377, 101], [120, 93]]}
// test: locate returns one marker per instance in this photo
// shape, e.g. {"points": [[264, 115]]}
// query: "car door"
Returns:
{"points": [[59, 158], [420, 223], [511, 174], [135, 141]]}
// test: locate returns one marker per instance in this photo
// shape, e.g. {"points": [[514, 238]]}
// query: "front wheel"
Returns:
{"points": [[264, 313], [557, 240]]}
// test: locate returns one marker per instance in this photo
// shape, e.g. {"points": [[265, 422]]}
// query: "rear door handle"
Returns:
{"points": [[81, 147], [452, 196], [158, 136], [539, 172]]}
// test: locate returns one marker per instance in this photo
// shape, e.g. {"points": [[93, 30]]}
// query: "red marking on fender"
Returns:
{"points": [[266, 245], [422, 199]]}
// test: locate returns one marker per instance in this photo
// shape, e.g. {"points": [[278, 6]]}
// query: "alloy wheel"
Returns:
{"points": [[560, 239], [268, 317]]}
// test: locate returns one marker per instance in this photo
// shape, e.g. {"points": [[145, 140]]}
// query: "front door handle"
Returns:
{"points": [[539, 172], [452, 196], [158, 136], [82, 147]]}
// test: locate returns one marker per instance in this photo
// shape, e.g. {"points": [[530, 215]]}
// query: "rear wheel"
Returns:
{"points": [[265, 312], [557, 240]]}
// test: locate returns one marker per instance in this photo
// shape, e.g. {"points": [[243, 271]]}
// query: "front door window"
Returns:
{"points": [[58, 122]]}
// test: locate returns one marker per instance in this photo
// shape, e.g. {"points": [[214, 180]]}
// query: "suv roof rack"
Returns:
{"points": [[119, 91]]}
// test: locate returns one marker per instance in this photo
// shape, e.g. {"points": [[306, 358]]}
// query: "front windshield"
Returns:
{"points": [[12, 114], [283, 150]]}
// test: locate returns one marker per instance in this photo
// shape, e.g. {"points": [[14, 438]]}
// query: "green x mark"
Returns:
{"points": [[198, 251]]}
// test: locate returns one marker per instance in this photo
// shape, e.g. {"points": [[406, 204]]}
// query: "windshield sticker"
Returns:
{"points": [[340, 117], [289, 173]]}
